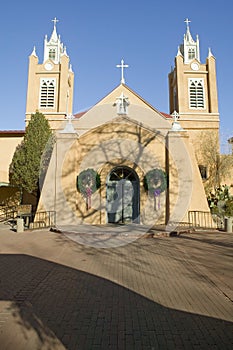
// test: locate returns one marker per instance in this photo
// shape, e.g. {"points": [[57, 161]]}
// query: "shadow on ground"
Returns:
{"points": [[84, 311]]}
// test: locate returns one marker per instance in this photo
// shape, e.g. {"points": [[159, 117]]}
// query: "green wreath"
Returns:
{"points": [[88, 182], [155, 181]]}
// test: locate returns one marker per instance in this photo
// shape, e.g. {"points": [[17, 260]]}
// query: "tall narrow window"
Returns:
{"points": [[47, 93], [203, 172], [191, 53], [175, 107], [196, 93], [52, 54]]}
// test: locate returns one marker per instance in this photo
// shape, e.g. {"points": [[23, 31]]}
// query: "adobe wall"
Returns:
{"points": [[8, 144]]}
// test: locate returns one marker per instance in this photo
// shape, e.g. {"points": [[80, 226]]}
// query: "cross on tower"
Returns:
{"points": [[187, 21], [69, 117], [55, 20], [176, 125], [122, 66], [175, 116]]}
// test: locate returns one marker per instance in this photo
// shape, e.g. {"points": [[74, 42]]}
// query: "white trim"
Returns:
{"points": [[190, 71], [48, 113], [200, 120], [202, 113]]}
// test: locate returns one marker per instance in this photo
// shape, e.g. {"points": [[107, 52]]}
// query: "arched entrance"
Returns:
{"points": [[123, 204]]}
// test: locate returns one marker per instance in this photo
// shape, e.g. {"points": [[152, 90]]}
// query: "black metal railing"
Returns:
{"points": [[43, 219], [33, 220], [7, 213], [39, 219]]}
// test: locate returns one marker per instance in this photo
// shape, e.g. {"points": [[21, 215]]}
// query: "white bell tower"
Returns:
{"points": [[53, 48], [190, 48]]}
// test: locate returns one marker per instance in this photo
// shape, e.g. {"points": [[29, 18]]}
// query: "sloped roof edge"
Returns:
{"points": [[164, 115], [12, 132]]}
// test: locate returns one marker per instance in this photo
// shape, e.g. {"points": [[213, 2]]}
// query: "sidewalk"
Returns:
{"points": [[154, 293]]}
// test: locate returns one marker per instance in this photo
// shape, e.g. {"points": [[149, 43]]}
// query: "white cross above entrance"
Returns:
{"points": [[122, 66], [122, 104]]}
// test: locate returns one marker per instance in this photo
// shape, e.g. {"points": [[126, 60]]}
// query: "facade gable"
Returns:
{"points": [[138, 110]]}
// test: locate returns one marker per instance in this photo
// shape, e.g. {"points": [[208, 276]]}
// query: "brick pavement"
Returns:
{"points": [[154, 293]]}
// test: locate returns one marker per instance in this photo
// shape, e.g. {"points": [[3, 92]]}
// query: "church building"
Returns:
{"points": [[123, 160]]}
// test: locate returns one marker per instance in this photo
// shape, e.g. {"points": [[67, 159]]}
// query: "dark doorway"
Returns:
{"points": [[123, 204]]}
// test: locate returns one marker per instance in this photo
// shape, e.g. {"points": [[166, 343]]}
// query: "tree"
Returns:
{"points": [[219, 166], [25, 168], [220, 201]]}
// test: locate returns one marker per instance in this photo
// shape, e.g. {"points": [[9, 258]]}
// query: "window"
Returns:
{"points": [[120, 173], [175, 108], [191, 54], [196, 93], [203, 171], [52, 54], [47, 93]]}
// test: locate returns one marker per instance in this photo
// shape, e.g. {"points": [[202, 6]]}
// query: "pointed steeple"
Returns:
{"points": [[53, 48], [64, 51], [34, 52], [190, 48], [54, 36], [188, 36], [210, 53], [178, 52]]}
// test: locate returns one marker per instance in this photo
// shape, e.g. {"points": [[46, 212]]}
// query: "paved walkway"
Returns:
{"points": [[153, 293]]}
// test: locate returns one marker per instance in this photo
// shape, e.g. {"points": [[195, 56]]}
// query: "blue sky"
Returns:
{"points": [[98, 34]]}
